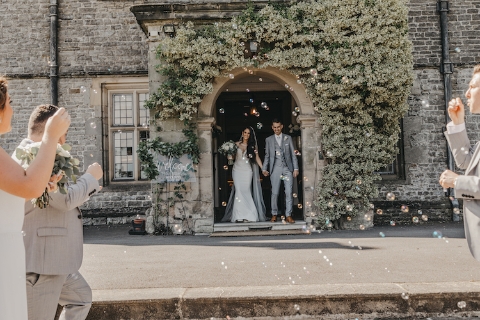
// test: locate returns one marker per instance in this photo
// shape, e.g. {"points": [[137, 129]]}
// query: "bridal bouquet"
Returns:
{"points": [[64, 164], [228, 148]]}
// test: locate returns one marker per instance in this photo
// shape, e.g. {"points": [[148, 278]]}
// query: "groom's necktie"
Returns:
{"points": [[278, 138]]}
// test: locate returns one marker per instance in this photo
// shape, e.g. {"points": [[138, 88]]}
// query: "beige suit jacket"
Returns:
{"points": [[467, 186], [53, 236]]}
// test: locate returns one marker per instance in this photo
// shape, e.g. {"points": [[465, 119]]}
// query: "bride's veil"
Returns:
{"points": [[256, 191]]}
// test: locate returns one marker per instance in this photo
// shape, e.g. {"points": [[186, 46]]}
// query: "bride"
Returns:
{"points": [[16, 185], [246, 200]]}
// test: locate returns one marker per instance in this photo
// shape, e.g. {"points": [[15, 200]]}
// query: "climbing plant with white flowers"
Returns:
{"points": [[353, 58]]}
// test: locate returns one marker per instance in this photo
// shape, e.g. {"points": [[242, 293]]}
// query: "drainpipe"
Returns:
{"points": [[446, 68], [53, 52]]}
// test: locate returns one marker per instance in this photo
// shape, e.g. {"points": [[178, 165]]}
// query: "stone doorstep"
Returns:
{"points": [[330, 301], [257, 226]]}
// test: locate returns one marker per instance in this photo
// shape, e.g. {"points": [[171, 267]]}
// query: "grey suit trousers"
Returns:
{"points": [[44, 292], [278, 171]]}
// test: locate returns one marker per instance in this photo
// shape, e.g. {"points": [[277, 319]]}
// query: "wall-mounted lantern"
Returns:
{"points": [[169, 29]]}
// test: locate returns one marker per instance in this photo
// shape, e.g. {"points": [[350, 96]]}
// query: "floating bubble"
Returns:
{"points": [[251, 100], [381, 234], [259, 126], [405, 296], [335, 192], [245, 114], [294, 113], [349, 207], [415, 220], [404, 209], [257, 114], [305, 178], [242, 44], [294, 195], [329, 154], [362, 227], [359, 181], [231, 76], [300, 206], [390, 196], [91, 155], [419, 212], [225, 167], [119, 131], [299, 81], [287, 86], [93, 125], [371, 205], [95, 91], [123, 97], [145, 125], [29, 89], [83, 89], [224, 204], [349, 218], [296, 307], [379, 211], [392, 223], [250, 71], [260, 79], [368, 134], [297, 153], [297, 109], [234, 26], [461, 304], [457, 50], [330, 204], [456, 210], [263, 105], [313, 72], [437, 234], [248, 90], [329, 225], [345, 79], [424, 217]]}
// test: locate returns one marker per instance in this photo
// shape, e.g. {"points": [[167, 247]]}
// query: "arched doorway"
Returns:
{"points": [[253, 101]]}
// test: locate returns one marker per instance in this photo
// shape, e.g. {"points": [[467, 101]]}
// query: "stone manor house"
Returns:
{"points": [[97, 59]]}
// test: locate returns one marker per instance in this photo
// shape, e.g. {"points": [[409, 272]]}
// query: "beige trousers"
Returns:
{"points": [[45, 292]]}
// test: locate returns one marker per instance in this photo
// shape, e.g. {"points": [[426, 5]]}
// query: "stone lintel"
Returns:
{"points": [[171, 12], [307, 120], [205, 123]]}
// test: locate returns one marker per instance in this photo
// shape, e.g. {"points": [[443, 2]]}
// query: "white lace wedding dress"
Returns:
{"points": [[13, 295], [243, 205]]}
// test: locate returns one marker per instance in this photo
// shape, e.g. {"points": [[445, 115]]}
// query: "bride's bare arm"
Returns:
{"points": [[259, 161], [31, 183]]}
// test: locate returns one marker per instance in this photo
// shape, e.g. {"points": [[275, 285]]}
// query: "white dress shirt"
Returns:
{"points": [[455, 128], [279, 139]]}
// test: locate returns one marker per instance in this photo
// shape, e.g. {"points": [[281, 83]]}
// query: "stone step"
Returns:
{"points": [[299, 225]]}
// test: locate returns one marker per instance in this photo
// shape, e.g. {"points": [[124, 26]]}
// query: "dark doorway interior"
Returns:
{"points": [[235, 111]]}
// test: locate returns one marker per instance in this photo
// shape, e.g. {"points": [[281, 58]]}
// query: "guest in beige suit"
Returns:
{"points": [[466, 186], [54, 241]]}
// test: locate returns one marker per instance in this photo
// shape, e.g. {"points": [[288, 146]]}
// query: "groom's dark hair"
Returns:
{"points": [[276, 120], [39, 117]]}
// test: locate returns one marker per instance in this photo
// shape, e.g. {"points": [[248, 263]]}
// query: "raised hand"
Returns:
{"points": [[57, 124], [95, 170], [456, 111], [265, 173]]}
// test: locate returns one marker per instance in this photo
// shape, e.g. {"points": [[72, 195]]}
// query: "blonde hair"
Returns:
{"points": [[476, 69]]}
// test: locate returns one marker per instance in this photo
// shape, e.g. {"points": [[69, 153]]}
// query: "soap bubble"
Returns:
{"points": [[461, 304], [362, 227], [287, 86], [29, 89], [294, 195], [260, 79], [404, 209], [349, 207], [330, 204], [405, 296], [415, 220], [371, 205], [234, 26], [392, 223], [381, 234], [221, 110], [83, 89], [456, 210], [225, 167], [294, 113], [297, 109], [296, 307], [231, 76], [419, 212], [250, 71], [457, 50], [259, 125], [224, 204], [93, 124], [349, 218], [437, 234], [300, 206], [314, 72], [379, 211], [263, 105], [299, 81], [390, 196], [424, 217]]}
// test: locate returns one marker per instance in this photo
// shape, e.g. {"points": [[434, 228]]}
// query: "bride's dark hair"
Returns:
{"points": [[251, 144]]}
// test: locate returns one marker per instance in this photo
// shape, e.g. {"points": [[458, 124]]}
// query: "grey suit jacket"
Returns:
{"points": [[288, 151], [467, 186], [54, 235]]}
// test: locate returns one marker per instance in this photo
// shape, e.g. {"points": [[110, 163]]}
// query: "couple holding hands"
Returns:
{"points": [[246, 200], [41, 249]]}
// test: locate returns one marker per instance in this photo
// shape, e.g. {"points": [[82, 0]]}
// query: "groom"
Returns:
{"points": [[54, 241], [281, 162]]}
